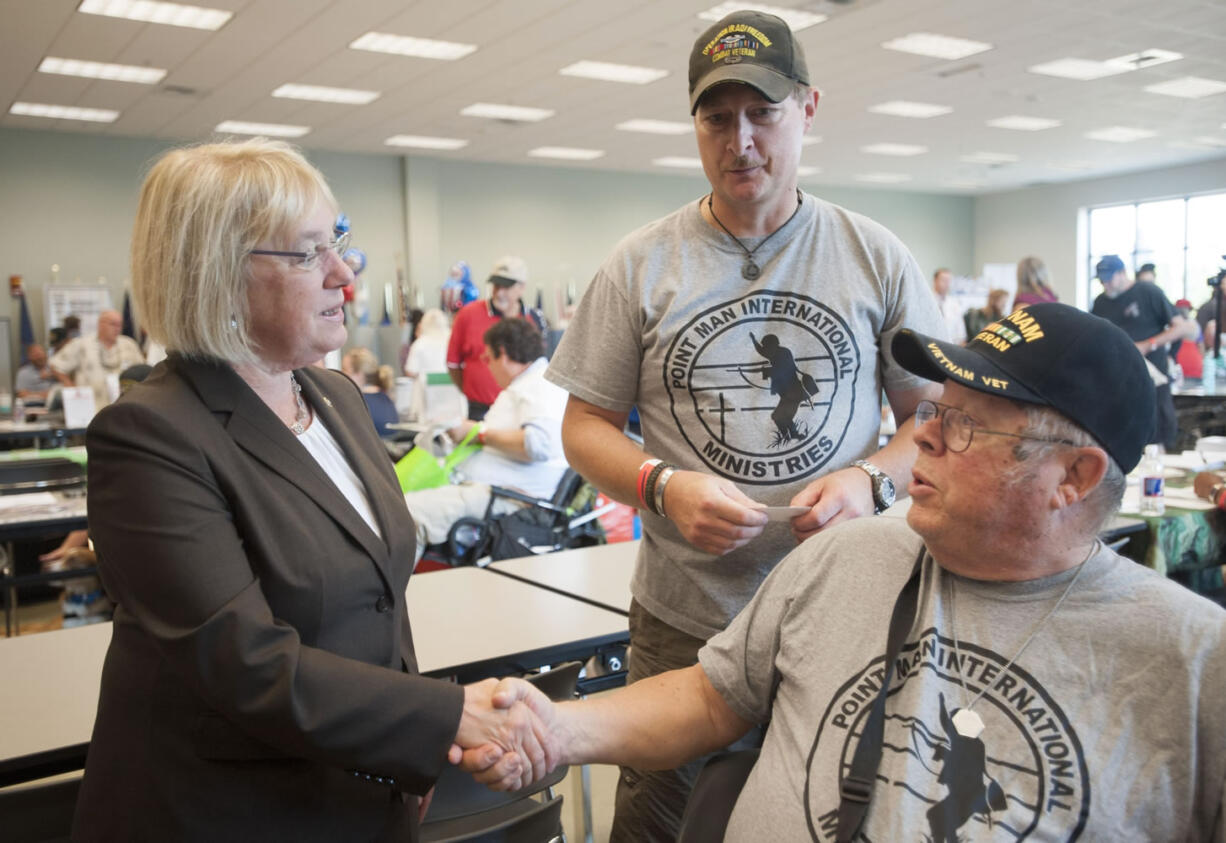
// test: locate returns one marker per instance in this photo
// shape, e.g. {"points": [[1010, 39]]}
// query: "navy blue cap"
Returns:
{"points": [[1108, 266], [1053, 355]]}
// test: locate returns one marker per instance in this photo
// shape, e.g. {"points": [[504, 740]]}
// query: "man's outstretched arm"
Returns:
{"points": [[656, 723]]}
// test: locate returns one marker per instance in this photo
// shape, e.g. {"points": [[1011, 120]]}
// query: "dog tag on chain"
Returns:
{"points": [[967, 723], [750, 270]]}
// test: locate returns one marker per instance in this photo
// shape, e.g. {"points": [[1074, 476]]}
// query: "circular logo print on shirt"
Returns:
{"points": [[763, 387], [1024, 776]]}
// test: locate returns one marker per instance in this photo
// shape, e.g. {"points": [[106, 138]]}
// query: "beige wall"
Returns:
{"points": [[69, 198]]}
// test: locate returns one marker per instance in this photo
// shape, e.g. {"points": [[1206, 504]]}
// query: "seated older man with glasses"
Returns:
{"points": [[989, 663]]}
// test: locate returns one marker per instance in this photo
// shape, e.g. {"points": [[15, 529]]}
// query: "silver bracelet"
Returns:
{"points": [[659, 490]]}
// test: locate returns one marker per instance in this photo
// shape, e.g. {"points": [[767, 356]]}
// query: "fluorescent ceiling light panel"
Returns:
{"points": [[1083, 70], [883, 178], [605, 72], [148, 11], [1022, 123], [566, 153], [899, 149], [810, 140], [966, 185], [903, 108], [1189, 87], [319, 93], [656, 127], [274, 130], [102, 70], [63, 112], [937, 46], [494, 111], [405, 45], [424, 142], [796, 19], [1120, 134], [678, 161], [990, 158], [804, 171], [1145, 58]]}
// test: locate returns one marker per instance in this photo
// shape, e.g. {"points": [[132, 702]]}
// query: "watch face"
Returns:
{"points": [[886, 492]]}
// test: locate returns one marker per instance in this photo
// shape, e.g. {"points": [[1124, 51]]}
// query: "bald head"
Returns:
{"points": [[110, 325]]}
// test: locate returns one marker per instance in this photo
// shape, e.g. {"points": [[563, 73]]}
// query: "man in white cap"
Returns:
{"points": [[466, 348], [749, 329]]}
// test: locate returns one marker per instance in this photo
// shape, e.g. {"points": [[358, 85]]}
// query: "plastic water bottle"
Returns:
{"points": [[19, 411], [1208, 372], [1153, 499]]}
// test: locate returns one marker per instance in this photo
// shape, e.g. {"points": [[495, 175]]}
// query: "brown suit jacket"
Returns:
{"points": [[261, 647]]}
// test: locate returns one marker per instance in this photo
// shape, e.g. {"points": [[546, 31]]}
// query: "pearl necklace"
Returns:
{"points": [[304, 415]]}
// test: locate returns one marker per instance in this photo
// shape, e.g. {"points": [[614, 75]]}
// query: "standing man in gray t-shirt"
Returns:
{"points": [[750, 329]]}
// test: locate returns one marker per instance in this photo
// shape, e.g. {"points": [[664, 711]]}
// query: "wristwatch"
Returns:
{"points": [[883, 486]]}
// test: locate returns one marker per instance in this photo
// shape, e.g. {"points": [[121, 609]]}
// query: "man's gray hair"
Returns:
{"points": [[1103, 501]]}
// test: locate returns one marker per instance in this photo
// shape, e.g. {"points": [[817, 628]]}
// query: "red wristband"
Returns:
{"points": [[641, 487]]}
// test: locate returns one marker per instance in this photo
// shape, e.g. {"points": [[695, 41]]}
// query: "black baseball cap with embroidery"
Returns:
{"points": [[1053, 355], [754, 48]]}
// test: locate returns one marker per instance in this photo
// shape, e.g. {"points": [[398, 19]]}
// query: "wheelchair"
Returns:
{"points": [[569, 519]]}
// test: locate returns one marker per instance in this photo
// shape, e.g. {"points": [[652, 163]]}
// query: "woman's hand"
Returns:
{"points": [[53, 560], [512, 746], [495, 770]]}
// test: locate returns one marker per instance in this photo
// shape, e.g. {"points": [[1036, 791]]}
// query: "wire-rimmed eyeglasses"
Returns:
{"points": [[313, 258], [958, 429]]}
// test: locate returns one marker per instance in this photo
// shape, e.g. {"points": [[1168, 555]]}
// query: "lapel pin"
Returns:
{"points": [[327, 400]]}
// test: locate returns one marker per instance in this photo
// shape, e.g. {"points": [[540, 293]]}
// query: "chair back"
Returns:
{"points": [[40, 475], [568, 486], [715, 792], [39, 812]]}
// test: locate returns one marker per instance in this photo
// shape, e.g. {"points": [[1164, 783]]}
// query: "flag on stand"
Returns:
{"points": [[27, 330], [129, 326]]}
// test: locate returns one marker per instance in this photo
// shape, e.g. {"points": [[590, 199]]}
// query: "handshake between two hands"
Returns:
{"points": [[509, 735]]}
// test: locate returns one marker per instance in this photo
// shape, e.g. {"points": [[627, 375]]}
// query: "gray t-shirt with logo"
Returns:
{"points": [[769, 383], [1110, 726]]}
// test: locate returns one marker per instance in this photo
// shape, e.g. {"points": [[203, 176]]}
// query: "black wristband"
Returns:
{"points": [[649, 488]]}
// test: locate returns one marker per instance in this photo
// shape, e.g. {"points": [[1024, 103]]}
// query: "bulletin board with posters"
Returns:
{"points": [[85, 301]]}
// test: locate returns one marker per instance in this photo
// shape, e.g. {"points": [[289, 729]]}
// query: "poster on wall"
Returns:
{"points": [[85, 301]]}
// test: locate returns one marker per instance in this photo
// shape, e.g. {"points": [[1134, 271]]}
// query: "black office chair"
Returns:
{"points": [[715, 792], [568, 519], [463, 810]]}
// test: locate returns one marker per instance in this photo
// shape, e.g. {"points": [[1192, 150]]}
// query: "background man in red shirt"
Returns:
{"points": [[466, 352]]}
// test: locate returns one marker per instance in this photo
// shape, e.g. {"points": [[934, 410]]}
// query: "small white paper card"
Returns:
{"points": [[79, 406], [783, 513]]}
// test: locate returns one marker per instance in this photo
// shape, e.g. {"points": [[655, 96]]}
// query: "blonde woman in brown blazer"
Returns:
{"points": [[260, 682]]}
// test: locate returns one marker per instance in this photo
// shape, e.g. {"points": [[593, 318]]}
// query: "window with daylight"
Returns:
{"points": [[1184, 239]]}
